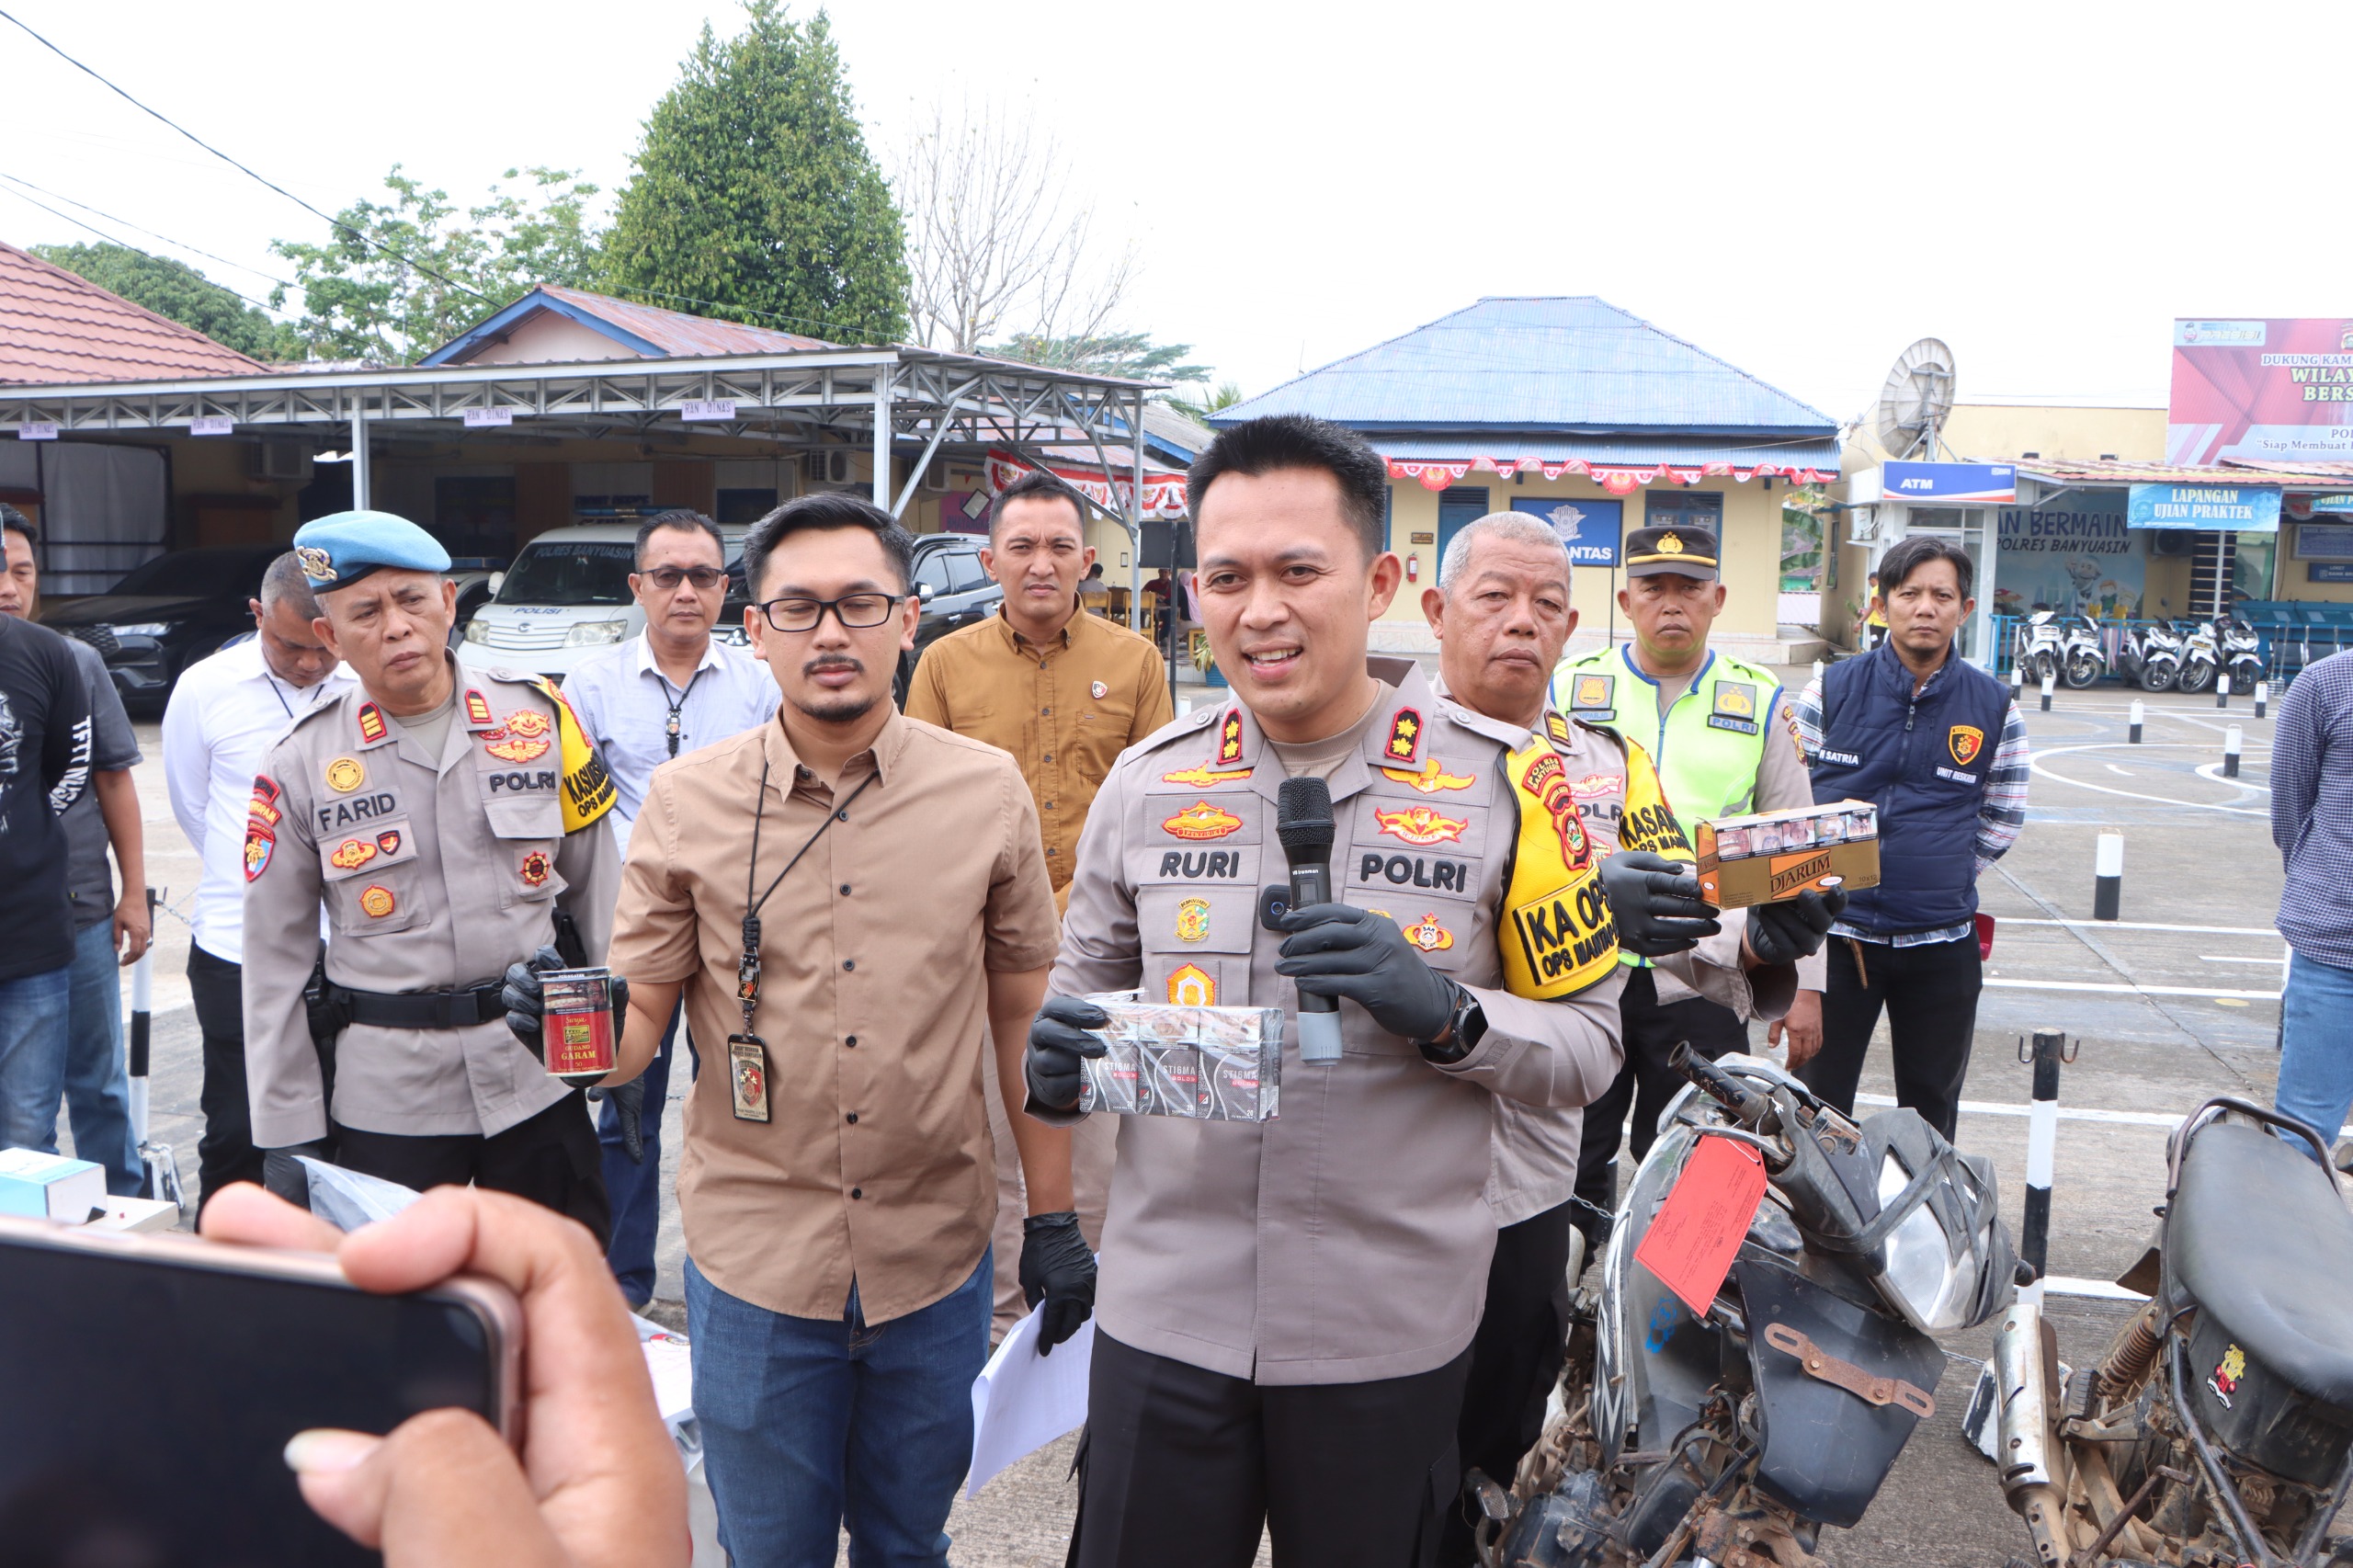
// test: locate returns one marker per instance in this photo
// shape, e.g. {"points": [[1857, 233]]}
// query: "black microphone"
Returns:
{"points": [[1303, 823]]}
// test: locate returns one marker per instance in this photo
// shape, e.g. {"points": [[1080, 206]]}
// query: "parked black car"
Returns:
{"points": [[956, 593], [162, 617]]}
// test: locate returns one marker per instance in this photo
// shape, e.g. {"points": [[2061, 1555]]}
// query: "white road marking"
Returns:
{"points": [[2233, 957], [2034, 764], [2101, 1289], [2120, 772], [2134, 990], [2137, 926], [2066, 1113]]}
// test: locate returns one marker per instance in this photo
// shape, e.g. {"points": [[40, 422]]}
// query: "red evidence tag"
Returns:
{"points": [[1696, 1233]]}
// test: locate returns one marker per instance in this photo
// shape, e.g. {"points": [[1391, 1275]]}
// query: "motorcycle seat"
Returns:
{"points": [[2257, 1236]]}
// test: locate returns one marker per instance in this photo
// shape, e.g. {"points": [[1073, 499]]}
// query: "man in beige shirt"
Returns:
{"points": [[1287, 1306], [846, 897], [1066, 692]]}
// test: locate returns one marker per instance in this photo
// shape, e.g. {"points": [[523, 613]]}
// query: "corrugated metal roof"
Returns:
{"points": [[58, 327], [2088, 471], [1526, 364], [645, 330]]}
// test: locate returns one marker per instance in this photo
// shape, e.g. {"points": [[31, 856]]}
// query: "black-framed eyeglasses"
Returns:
{"points": [[667, 578], [857, 612]]}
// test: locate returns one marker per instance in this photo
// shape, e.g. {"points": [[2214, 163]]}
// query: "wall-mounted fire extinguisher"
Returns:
{"points": [[1413, 569]]}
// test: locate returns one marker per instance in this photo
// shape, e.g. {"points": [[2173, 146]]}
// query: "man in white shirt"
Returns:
{"points": [[672, 691], [225, 713]]}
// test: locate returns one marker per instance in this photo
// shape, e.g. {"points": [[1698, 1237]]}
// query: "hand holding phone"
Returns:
{"points": [[599, 1481]]}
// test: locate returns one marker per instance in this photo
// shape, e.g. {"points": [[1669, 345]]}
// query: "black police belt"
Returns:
{"points": [[419, 1009]]}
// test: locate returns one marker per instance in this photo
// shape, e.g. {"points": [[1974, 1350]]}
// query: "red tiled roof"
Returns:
{"points": [[2110, 470], [57, 328], [680, 334]]}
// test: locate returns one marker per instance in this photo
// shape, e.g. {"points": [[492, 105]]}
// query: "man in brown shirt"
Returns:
{"points": [[1066, 692], [835, 1184]]}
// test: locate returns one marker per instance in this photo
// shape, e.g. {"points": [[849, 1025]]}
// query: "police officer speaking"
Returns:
{"points": [[438, 815], [1720, 732]]}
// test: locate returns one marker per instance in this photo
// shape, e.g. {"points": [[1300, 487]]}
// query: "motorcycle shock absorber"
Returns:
{"points": [[2130, 1355]]}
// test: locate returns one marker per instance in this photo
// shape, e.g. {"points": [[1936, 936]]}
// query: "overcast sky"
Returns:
{"points": [[1801, 189]]}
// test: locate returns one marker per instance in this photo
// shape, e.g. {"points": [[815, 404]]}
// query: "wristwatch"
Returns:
{"points": [[1465, 1027]]}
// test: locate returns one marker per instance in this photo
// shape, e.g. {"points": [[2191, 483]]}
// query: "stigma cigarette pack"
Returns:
{"points": [[1771, 856], [1204, 1063]]}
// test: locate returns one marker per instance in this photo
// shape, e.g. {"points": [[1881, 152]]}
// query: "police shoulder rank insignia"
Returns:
{"points": [[345, 773], [1428, 935], [376, 900], [1201, 820], [1190, 986], [263, 808], [1421, 825], [1202, 778], [352, 854], [478, 712], [1229, 737], [1556, 727], [1430, 778], [259, 844], [1193, 920], [371, 724], [1099, 690], [534, 869], [1594, 693], [1965, 742], [1404, 736]]}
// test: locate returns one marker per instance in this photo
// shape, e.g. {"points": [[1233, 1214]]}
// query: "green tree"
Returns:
{"points": [[1224, 395], [179, 292], [755, 197], [1132, 354], [397, 280]]}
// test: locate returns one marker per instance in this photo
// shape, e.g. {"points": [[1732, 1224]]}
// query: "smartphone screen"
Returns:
{"points": [[148, 1400]]}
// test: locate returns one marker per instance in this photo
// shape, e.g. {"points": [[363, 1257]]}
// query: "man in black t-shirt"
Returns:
{"points": [[44, 766]]}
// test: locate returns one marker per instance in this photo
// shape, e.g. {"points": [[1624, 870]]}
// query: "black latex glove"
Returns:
{"points": [[282, 1176], [1657, 904], [1337, 950], [1050, 1067], [629, 1108], [527, 1007], [1057, 1268], [1793, 928]]}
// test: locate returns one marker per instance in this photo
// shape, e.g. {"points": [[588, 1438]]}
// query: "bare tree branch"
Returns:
{"points": [[996, 246]]}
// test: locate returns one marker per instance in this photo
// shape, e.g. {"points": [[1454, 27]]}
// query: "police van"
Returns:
{"points": [[566, 595]]}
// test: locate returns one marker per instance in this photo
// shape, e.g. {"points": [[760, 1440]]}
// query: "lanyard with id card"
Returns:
{"points": [[747, 1053]]}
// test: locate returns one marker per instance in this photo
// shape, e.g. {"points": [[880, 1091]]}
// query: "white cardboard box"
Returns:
{"points": [[49, 1187]]}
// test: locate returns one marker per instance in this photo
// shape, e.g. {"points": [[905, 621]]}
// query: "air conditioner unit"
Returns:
{"points": [[278, 460], [2173, 541], [934, 476], [826, 466]]}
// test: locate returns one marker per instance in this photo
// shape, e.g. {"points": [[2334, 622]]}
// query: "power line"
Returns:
{"points": [[110, 239], [167, 121], [125, 222]]}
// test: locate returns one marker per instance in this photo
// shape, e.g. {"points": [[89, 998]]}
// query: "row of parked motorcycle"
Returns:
{"points": [[2216, 1429], [2158, 655]]}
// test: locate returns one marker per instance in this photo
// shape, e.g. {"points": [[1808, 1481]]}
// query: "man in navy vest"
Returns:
{"points": [[1939, 747]]}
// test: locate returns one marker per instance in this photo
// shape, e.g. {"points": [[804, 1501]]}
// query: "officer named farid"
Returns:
{"points": [[439, 814]]}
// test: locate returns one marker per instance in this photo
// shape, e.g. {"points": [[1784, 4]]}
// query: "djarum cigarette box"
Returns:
{"points": [[1203, 1063], [1771, 856]]}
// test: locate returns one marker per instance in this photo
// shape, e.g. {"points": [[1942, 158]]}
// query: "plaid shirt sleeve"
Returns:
{"points": [[2003, 812], [1806, 715]]}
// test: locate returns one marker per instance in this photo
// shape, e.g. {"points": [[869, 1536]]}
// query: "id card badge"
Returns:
{"points": [[747, 1076]]}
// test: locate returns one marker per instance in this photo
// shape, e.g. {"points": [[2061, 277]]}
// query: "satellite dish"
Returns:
{"points": [[1913, 403]]}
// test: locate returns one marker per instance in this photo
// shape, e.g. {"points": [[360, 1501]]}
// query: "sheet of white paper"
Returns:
{"points": [[672, 1365], [1022, 1401]]}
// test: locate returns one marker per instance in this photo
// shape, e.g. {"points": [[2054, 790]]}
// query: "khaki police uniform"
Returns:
{"points": [[437, 872]]}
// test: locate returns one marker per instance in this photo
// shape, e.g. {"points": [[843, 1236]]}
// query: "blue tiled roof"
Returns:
{"points": [[1538, 365]]}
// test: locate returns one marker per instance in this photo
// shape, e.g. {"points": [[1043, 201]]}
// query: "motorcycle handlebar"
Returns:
{"points": [[1752, 1109]]}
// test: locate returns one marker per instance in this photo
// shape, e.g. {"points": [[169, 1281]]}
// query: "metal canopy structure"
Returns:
{"points": [[897, 400]]}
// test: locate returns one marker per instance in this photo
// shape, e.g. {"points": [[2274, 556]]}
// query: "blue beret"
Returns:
{"points": [[338, 550]]}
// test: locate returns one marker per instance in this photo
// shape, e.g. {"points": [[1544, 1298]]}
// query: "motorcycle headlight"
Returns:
{"points": [[1936, 1261], [595, 633], [140, 627]]}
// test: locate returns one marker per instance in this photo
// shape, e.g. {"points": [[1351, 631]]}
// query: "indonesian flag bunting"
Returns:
{"points": [[1617, 479], [1163, 493]]}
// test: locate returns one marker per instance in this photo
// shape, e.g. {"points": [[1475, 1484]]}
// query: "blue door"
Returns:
{"points": [[1457, 504]]}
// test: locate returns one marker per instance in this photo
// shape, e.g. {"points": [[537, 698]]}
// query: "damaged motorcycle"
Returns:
{"points": [[1732, 1436]]}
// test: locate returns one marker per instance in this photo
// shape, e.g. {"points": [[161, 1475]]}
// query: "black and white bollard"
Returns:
{"points": [[2137, 714], [2047, 680], [2222, 691], [2262, 695], [2017, 680], [2230, 743], [2041, 1145], [2108, 877], [162, 1166]]}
